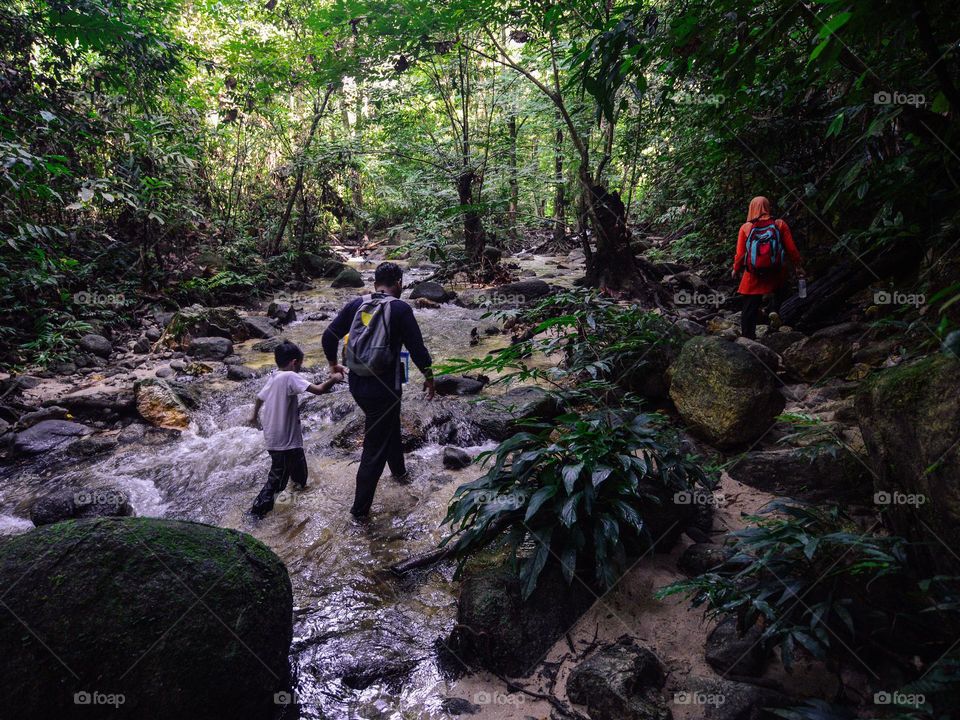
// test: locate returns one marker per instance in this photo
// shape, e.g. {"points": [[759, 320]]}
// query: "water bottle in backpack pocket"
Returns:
{"points": [[368, 350], [765, 252]]}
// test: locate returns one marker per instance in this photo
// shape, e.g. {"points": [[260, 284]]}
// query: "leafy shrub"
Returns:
{"points": [[596, 340], [814, 583], [580, 489]]}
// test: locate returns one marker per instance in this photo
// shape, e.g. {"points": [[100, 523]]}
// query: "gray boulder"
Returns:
{"points": [[910, 419], [457, 385], [723, 392], [240, 373], [499, 630], [96, 344], [620, 682], [818, 473], [779, 341], [260, 327], [431, 291], [210, 348], [347, 278], [85, 503], [826, 353], [321, 266], [47, 435], [703, 557], [98, 400], [455, 458], [730, 653], [282, 311], [715, 698], [519, 292]]}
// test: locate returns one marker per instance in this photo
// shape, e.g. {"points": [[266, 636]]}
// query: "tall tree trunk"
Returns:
{"points": [[473, 234], [356, 181], [514, 183], [559, 200], [298, 182]]}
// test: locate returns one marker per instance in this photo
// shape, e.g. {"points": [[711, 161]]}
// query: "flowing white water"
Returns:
{"points": [[365, 642]]}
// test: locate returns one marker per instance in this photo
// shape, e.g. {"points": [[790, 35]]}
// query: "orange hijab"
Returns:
{"points": [[759, 207]]}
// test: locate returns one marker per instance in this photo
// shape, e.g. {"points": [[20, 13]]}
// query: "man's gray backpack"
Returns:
{"points": [[368, 345]]}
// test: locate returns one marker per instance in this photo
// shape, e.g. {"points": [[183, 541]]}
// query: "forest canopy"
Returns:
{"points": [[164, 151]]}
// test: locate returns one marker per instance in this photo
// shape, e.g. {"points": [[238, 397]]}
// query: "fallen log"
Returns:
{"points": [[422, 560], [827, 295]]}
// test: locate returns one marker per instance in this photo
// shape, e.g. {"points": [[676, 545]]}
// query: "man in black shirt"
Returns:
{"points": [[379, 395]]}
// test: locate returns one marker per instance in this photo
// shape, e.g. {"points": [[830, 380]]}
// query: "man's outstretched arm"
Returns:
{"points": [[334, 333]]}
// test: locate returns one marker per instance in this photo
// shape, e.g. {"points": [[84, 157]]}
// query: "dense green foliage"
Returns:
{"points": [[597, 344], [577, 491], [820, 586], [166, 150], [587, 489]]}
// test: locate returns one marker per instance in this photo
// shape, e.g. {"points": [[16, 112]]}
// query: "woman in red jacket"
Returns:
{"points": [[766, 271]]}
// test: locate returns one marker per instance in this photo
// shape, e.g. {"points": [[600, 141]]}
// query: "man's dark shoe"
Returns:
{"points": [[299, 486], [403, 479], [262, 505]]}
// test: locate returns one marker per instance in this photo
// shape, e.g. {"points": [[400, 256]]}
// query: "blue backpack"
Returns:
{"points": [[765, 251]]}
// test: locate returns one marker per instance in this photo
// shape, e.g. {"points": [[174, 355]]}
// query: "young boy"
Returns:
{"points": [[281, 424]]}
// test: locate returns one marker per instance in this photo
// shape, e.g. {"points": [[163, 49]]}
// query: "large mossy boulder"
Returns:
{"points": [[724, 392], [176, 619], [910, 419], [500, 631], [197, 321], [347, 278]]}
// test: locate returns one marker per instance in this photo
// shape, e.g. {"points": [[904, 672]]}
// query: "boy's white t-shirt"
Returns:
{"points": [[280, 414]]}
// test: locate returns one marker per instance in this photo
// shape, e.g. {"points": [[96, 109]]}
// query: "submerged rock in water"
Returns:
{"points": [[620, 682], [723, 392], [86, 503], [179, 619], [455, 458], [431, 291], [347, 278], [47, 435], [457, 385], [413, 432]]}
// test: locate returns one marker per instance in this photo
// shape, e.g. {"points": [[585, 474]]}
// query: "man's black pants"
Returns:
{"points": [[381, 446], [285, 465]]}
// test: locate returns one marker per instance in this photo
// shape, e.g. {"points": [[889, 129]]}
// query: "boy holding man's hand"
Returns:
{"points": [[277, 410]]}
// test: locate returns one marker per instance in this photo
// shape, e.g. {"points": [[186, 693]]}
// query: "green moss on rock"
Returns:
{"points": [[181, 619]]}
